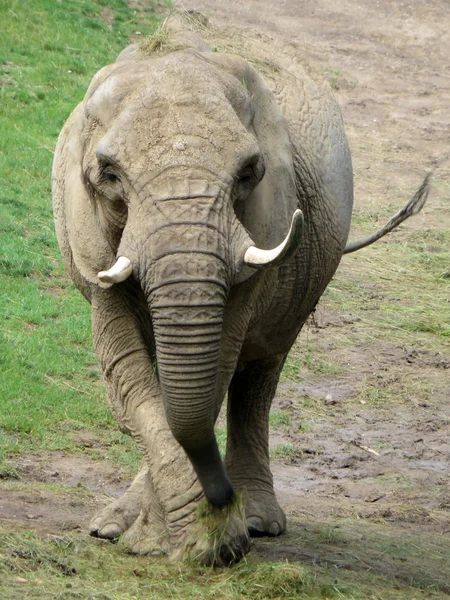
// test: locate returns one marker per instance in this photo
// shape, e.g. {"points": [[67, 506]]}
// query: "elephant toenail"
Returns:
{"points": [[255, 526], [274, 529], [110, 531]]}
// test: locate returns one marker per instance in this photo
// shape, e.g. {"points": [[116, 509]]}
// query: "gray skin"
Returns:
{"points": [[180, 162]]}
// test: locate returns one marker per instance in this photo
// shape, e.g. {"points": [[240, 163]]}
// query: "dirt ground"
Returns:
{"points": [[388, 64]]}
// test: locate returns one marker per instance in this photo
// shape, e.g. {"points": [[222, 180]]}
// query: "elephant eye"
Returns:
{"points": [[247, 175], [109, 175], [107, 181], [252, 172]]}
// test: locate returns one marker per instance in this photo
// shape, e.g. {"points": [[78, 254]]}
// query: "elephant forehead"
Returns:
{"points": [[177, 84], [175, 110], [172, 80]]}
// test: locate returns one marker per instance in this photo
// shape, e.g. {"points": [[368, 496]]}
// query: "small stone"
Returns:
{"points": [[350, 319], [329, 400]]}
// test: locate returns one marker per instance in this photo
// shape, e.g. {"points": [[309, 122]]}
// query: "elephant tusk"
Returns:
{"points": [[255, 257], [120, 271]]}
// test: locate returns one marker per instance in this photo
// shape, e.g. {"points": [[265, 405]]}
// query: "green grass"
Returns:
{"points": [[407, 556], [419, 304], [346, 560], [286, 452], [279, 419], [392, 297], [47, 59], [31, 564], [67, 567], [303, 359]]}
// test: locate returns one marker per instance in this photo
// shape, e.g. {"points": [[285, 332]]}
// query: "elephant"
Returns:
{"points": [[201, 207]]}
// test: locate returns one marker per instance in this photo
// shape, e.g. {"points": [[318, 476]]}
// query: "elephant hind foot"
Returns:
{"points": [[264, 516], [119, 516], [258, 528]]}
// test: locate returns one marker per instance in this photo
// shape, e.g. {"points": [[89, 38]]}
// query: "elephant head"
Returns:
{"points": [[177, 166]]}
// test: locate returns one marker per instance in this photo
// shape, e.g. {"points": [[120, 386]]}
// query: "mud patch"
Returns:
{"points": [[58, 491]]}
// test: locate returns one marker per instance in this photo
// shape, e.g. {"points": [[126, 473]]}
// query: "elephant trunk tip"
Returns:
{"points": [[218, 496], [211, 473]]}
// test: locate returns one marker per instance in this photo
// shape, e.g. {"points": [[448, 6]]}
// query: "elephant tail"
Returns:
{"points": [[413, 207]]}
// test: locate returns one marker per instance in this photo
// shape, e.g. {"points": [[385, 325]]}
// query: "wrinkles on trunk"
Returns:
{"points": [[187, 369], [187, 297]]}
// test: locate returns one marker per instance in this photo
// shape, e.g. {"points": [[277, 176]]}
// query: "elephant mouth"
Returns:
{"points": [[252, 256]]}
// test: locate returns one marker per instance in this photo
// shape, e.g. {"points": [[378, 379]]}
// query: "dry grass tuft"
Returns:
{"points": [[156, 43], [219, 39], [166, 40]]}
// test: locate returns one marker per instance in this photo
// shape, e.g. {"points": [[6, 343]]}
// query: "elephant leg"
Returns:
{"points": [[171, 499], [167, 482], [117, 517], [170, 492], [249, 399]]}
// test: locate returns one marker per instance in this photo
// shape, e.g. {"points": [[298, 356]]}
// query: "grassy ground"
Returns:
{"points": [[50, 378], [69, 566], [51, 387]]}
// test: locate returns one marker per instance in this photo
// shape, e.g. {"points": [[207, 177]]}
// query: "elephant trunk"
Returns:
{"points": [[187, 316], [193, 250]]}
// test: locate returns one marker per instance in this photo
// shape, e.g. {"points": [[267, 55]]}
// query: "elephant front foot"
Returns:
{"points": [[119, 516], [181, 527], [217, 537], [146, 536], [264, 515], [207, 535]]}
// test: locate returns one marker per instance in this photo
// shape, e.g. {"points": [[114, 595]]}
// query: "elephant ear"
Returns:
{"points": [[268, 211], [83, 244]]}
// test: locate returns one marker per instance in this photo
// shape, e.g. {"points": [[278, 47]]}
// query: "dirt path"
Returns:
{"points": [[344, 457]]}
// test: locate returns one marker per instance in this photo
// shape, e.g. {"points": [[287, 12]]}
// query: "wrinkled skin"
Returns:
{"points": [[179, 162]]}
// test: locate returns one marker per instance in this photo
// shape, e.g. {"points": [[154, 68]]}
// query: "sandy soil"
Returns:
{"points": [[388, 63]]}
